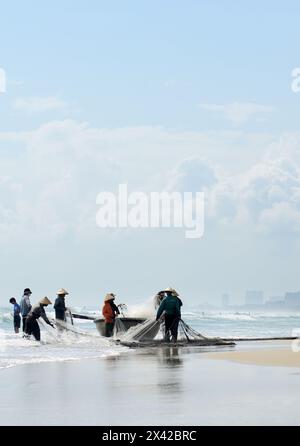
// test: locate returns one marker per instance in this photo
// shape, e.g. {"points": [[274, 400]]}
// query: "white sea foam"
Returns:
{"points": [[5, 317], [145, 310], [54, 347]]}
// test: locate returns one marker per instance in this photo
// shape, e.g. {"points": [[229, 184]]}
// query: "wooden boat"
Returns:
{"points": [[127, 322]]}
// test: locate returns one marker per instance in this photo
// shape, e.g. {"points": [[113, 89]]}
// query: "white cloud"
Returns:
{"points": [[270, 193], [239, 113], [265, 196], [281, 217], [49, 186], [193, 175], [39, 104]]}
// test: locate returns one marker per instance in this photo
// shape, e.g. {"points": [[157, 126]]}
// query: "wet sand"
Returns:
{"points": [[168, 386]]}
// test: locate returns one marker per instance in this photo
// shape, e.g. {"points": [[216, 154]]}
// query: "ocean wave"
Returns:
{"points": [[55, 347], [6, 317], [219, 316], [237, 315]]}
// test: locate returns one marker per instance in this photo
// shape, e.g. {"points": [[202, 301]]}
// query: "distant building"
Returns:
{"points": [[276, 299], [276, 303], [254, 298], [292, 299], [225, 300]]}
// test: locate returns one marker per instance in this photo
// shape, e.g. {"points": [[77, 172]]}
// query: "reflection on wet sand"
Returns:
{"points": [[170, 356]]}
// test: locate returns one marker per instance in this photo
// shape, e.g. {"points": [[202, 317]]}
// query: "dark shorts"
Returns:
{"points": [[17, 321], [109, 329], [171, 325], [32, 328]]}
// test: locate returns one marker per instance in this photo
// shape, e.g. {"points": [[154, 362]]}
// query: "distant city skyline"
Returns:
{"points": [[257, 299]]}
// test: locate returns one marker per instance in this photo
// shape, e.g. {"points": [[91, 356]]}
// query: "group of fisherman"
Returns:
{"points": [[167, 302], [30, 314]]}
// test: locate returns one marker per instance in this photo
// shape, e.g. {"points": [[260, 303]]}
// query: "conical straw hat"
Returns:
{"points": [[171, 290], [62, 291], [45, 301], [109, 296]]}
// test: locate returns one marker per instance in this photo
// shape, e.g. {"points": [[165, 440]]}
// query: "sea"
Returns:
{"points": [[84, 342]]}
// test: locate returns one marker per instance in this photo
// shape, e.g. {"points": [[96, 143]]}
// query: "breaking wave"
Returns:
{"points": [[54, 347]]}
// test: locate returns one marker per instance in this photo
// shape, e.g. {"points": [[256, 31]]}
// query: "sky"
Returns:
{"points": [[161, 96]]}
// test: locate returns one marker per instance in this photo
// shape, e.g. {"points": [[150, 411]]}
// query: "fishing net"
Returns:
{"points": [[145, 331], [149, 330], [119, 328], [188, 333], [62, 328], [123, 309]]}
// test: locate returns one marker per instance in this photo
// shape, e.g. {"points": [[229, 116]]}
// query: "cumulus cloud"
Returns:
{"points": [[270, 193], [238, 112], [49, 187], [266, 196], [193, 175], [281, 217]]}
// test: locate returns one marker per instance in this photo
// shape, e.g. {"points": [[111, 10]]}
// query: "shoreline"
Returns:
{"points": [[275, 352], [165, 386]]}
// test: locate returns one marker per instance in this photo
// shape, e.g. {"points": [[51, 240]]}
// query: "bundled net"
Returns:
{"points": [[142, 332], [149, 330]]}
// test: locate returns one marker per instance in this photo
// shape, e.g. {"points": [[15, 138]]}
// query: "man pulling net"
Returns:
{"points": [[170, 307]]}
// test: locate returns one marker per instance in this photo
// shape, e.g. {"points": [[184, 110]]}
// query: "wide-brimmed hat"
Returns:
{"points": [[172, 291], [27, 291], [109, 296], [45, 301], [168, 290], [62, 291]]}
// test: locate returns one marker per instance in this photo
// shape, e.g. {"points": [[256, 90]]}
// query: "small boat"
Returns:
{"points": [[127, 322]]}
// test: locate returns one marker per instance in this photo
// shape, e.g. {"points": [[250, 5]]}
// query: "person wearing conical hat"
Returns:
{"points": [[60, 305], [110, 311], [170, 307], [32, 326]]}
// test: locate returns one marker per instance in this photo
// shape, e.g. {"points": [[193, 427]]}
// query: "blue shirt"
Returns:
{"points": [[25, 305], [17, 310]]}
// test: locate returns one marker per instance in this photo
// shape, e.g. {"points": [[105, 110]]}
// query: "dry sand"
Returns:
{"points": [[280, 355]]}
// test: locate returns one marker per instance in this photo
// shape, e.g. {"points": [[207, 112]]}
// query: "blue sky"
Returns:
{"points": [[100, 92], [131, 63]]}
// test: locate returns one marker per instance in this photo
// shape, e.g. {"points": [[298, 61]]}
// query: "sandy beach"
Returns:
{"points": [[276, 354], [244, 385]]}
